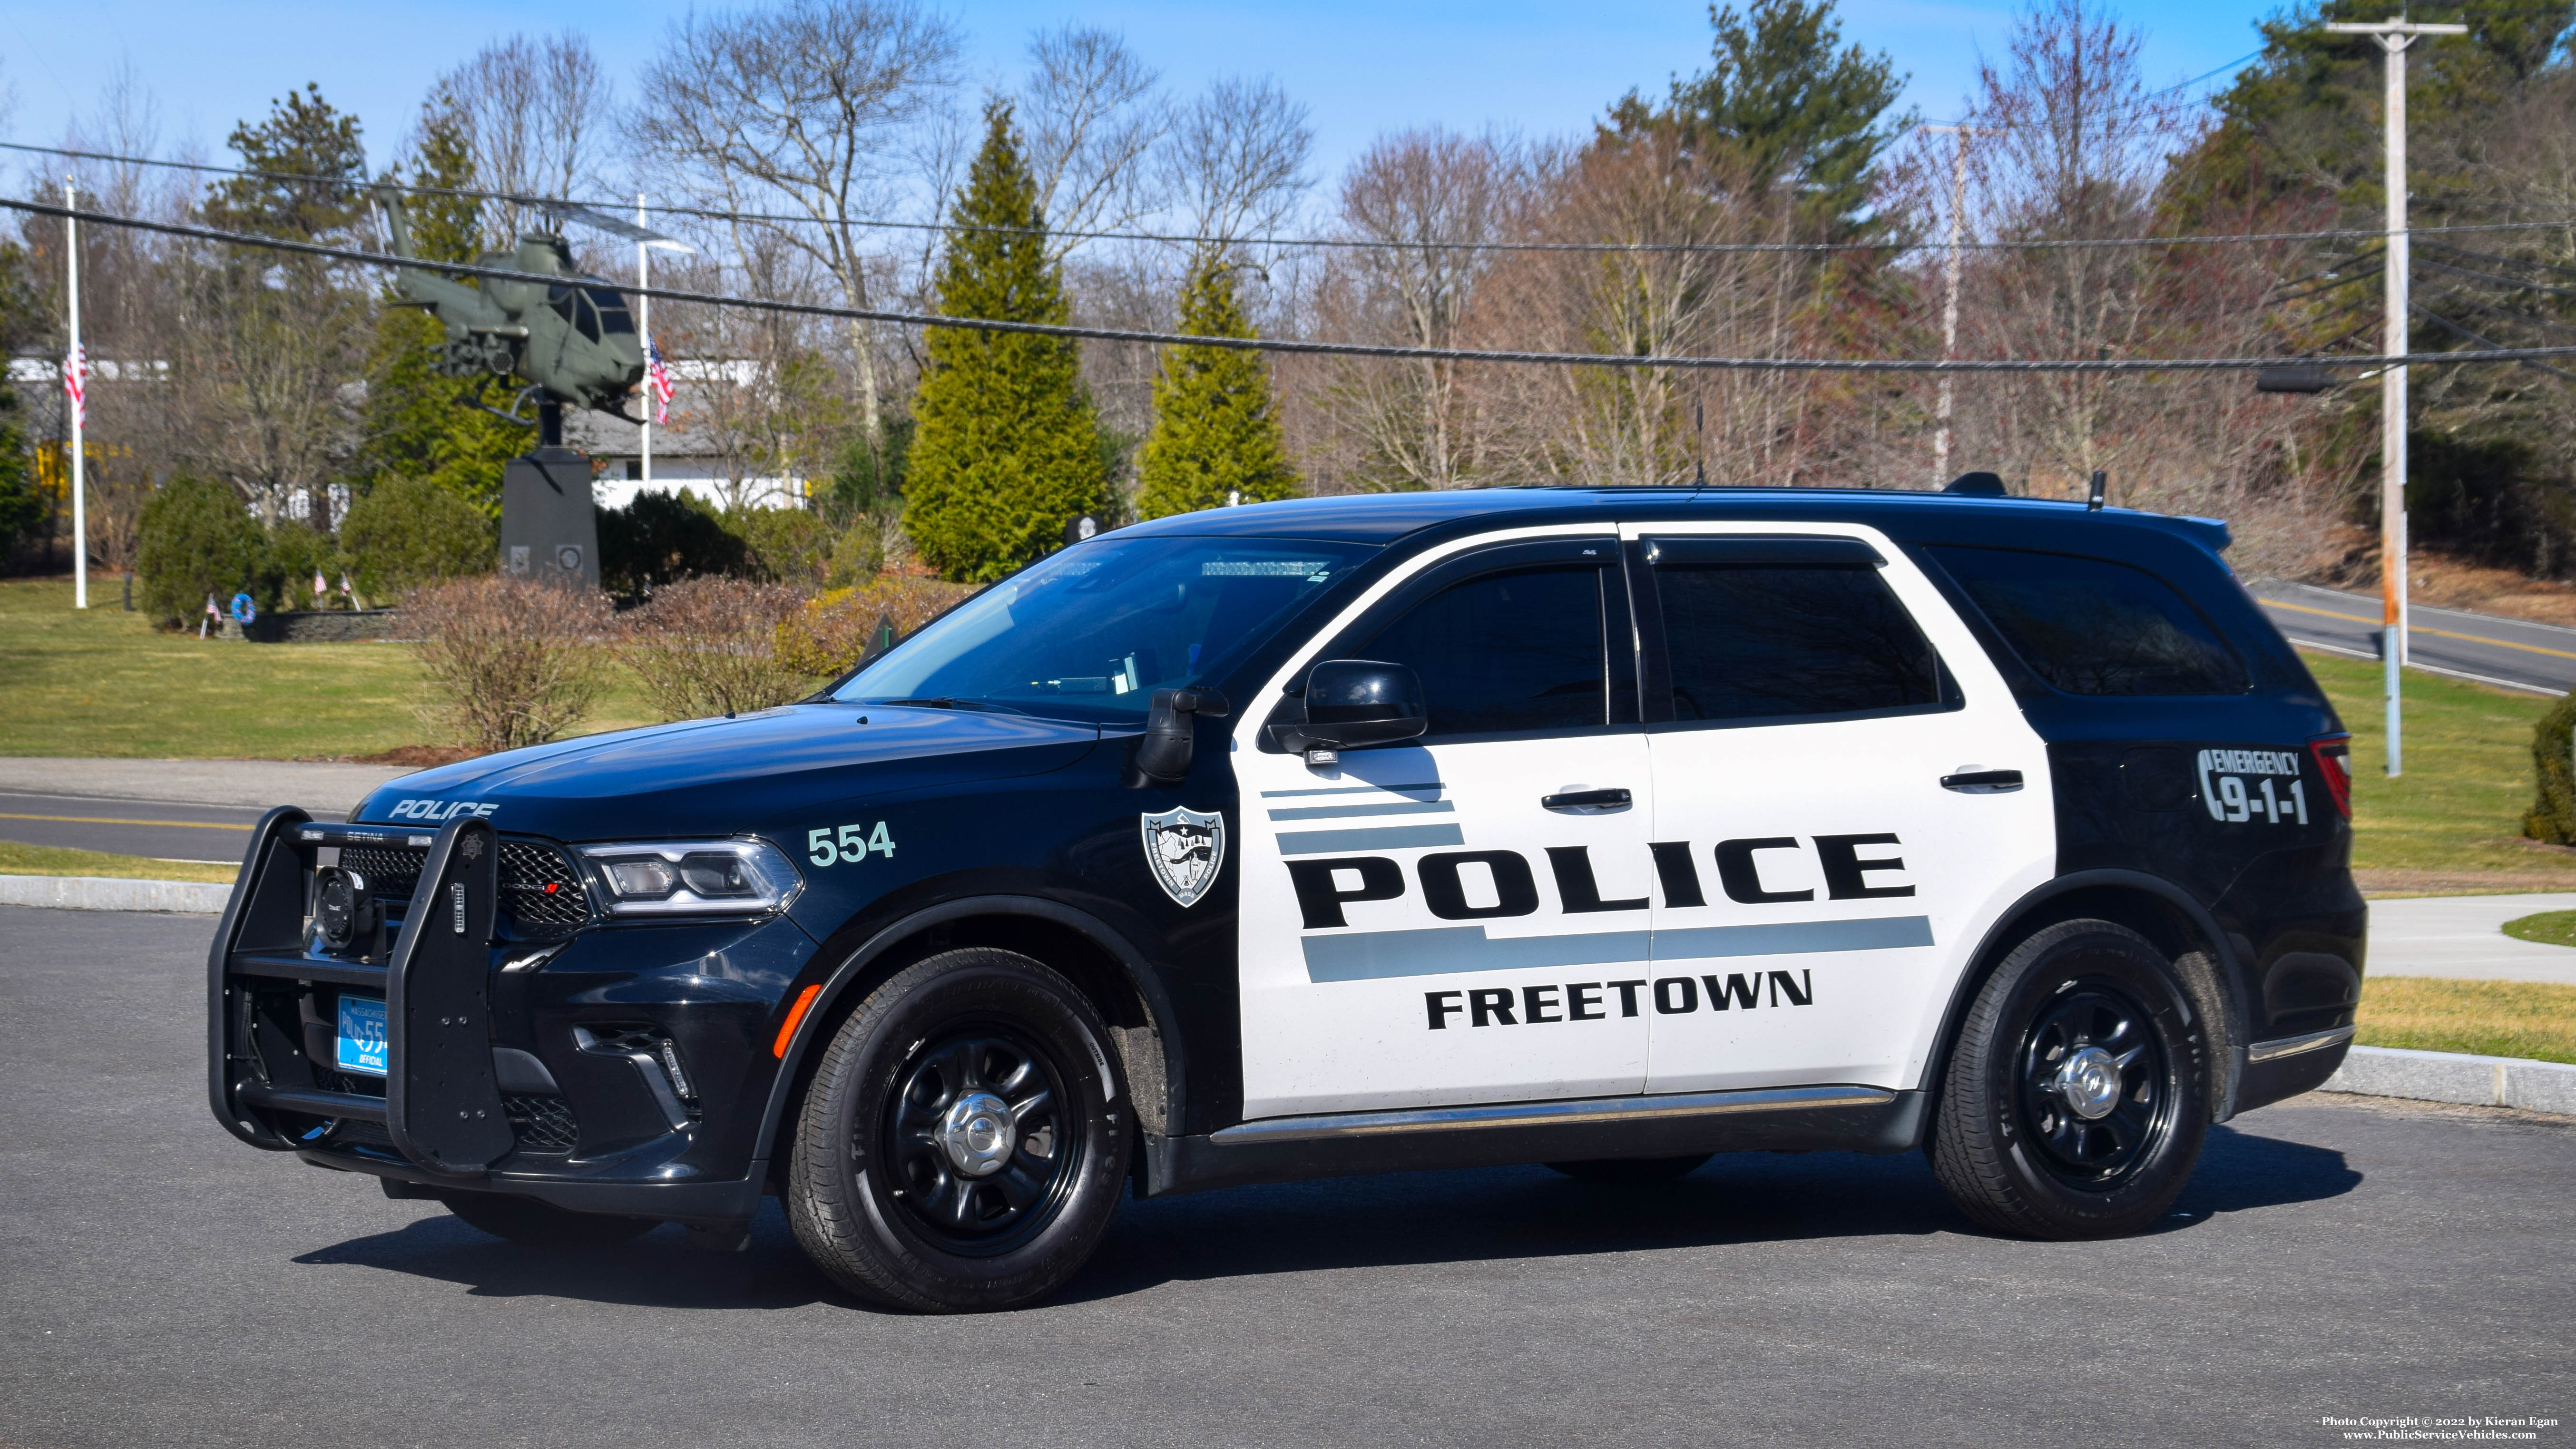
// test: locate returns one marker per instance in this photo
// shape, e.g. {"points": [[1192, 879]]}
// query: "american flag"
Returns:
{"points": [[657, 380], [76, 384]]}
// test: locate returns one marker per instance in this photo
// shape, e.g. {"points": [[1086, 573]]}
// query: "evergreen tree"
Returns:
{"points": [[312, 172], [413, 426], [1216, 431], [1784, 103], [1005, 448]]}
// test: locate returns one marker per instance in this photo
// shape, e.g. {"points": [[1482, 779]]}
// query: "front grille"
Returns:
{"points": [[392, 873], [543, 1124], [542, 898], [540, 891]]}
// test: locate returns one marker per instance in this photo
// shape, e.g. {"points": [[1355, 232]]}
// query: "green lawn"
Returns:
{"points": [[103, 683], [17, 859], [2531, 1019], [2453, 821], [2549, 928]]}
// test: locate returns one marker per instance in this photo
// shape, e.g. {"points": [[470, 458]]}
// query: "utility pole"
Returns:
{"points": [[1950, 302], [2394, 36], [76, 390]]}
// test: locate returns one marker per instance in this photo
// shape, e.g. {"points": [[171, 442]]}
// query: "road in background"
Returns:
{"points": [[162, 830], [169, 1286], [2488, 648], [200, 810]]}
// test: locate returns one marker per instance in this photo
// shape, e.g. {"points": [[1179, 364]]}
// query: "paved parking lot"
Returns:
{"points": [[161, 1284]]}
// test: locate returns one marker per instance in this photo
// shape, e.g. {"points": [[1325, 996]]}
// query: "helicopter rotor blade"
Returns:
{"points": [[600, 221]]}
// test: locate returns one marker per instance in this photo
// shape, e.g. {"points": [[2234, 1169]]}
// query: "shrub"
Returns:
{"points": [[294, 550], [2553, 809], [859, 555], [409, 532], [662, 538], [791, 546], [195, 538], [834, 631], [708, 646], [510, 662]]}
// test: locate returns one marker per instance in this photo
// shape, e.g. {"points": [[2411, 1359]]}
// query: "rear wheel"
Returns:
{"points": [[963, 1143], [2078, 1091], [1629, 1170], [542, 1224]]}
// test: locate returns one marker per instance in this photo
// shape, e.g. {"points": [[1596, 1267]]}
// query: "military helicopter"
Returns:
{"points": [[567, 341]]}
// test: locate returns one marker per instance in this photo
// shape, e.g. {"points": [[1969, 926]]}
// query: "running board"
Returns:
{"points": [[1585, 1110]]}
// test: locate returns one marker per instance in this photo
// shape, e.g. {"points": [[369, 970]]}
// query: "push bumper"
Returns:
{"points": [[623, 1070]]}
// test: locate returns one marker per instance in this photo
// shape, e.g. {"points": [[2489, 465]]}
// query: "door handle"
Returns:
{"points": [[1983, 782], [1581, 799]]}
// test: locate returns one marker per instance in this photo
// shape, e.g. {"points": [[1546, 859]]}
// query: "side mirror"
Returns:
{"points": [[1163, 755], [1355, 702]]}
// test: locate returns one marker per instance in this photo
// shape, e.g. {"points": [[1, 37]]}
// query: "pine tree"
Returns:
{"points": [[1216, 431], [1005, 447], [413, 426]]}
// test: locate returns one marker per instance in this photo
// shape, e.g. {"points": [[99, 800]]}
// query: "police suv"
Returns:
{"points": [[1601, 829]]}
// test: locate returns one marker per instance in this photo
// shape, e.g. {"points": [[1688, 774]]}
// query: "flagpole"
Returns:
{"points": [[73, 366], [644, 305]]}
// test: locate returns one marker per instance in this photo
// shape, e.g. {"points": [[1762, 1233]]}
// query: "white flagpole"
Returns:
{"points": [[72, 361], [644, 315]]}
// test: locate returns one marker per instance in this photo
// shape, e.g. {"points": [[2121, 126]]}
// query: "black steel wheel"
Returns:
{"points": [[2078, 1089], [542, 1224], [964, 1139], [975, 1133], [1629, 1171]]}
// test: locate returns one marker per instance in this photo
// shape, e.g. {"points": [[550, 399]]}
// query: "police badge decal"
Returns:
{"points": [[1184, 848]]}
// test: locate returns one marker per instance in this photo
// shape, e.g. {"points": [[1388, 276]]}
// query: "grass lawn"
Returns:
{"points": [[2453, 822], [17, 859], [105, 684], [2549, 928], [2533, 1019]]}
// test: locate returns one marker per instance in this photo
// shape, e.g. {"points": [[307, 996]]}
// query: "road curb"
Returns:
{"points": [[2472, 1081], [101, 893]]}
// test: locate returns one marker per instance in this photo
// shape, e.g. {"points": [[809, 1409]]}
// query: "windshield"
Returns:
{"points": [[1092, 632]]}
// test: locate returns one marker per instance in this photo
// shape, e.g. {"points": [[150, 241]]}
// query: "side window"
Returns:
{"points": [[1507, 651], [1760, 640], [2090, 626]]}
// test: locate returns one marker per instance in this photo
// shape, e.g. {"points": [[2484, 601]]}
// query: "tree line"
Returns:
{"points": [[1770, 200]]}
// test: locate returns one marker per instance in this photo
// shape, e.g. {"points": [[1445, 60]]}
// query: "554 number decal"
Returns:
{"points": [[825, 844]]}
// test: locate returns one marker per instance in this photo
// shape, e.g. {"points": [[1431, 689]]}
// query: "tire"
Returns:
{"points": [[903, 1192], [1630, 1171], [542, 1224], [2078, 1090]]}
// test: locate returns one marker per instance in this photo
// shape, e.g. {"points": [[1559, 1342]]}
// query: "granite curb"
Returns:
{"points": [[2472, 1081], [100, 893]]}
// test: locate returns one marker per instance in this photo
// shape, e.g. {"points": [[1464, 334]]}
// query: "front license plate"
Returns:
{"points": [[362, 1035]]}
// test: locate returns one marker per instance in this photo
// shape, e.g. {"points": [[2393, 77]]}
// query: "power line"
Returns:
{"points": [[1290, 243], [2450, 326], [1290, 345]]}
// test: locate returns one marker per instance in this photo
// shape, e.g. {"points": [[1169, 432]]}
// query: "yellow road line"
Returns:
{"points": [[105, 820], [2426, 629]]}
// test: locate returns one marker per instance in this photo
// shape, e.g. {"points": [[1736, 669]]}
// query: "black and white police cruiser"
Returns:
{"points": [[1608, 830]]}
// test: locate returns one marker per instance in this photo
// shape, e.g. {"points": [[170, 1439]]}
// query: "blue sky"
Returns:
{"points": [[1363, 66]]}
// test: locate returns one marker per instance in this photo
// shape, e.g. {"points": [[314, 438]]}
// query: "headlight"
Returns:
{"points": [[694, 877]]}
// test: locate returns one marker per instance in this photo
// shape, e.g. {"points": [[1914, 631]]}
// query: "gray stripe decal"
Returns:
{"points": [[1448, 950], [1388, 837], [1338, 812], [1375, 955], [1350, 790], [1790, 938]]}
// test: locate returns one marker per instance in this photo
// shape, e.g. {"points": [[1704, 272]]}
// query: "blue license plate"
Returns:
{"points": [[362, 1035]]}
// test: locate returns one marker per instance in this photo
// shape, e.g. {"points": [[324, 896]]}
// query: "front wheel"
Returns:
{"points": [[2078, 1091], [964, 1140]]}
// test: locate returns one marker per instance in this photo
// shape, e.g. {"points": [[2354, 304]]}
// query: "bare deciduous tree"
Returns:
{"points": [[807, 108], [1236, 162], [538, 111], [1092, 120]]}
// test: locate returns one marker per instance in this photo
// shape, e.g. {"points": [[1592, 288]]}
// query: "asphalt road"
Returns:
{"points": [[2485, 647], [160, 829], [166, 1285]]}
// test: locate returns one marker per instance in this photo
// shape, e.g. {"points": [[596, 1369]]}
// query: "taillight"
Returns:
{"points": [[2334, 765]]}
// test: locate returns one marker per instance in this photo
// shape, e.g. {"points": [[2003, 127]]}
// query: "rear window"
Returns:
{"points": [[2091, 626], [1755, 641]]}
